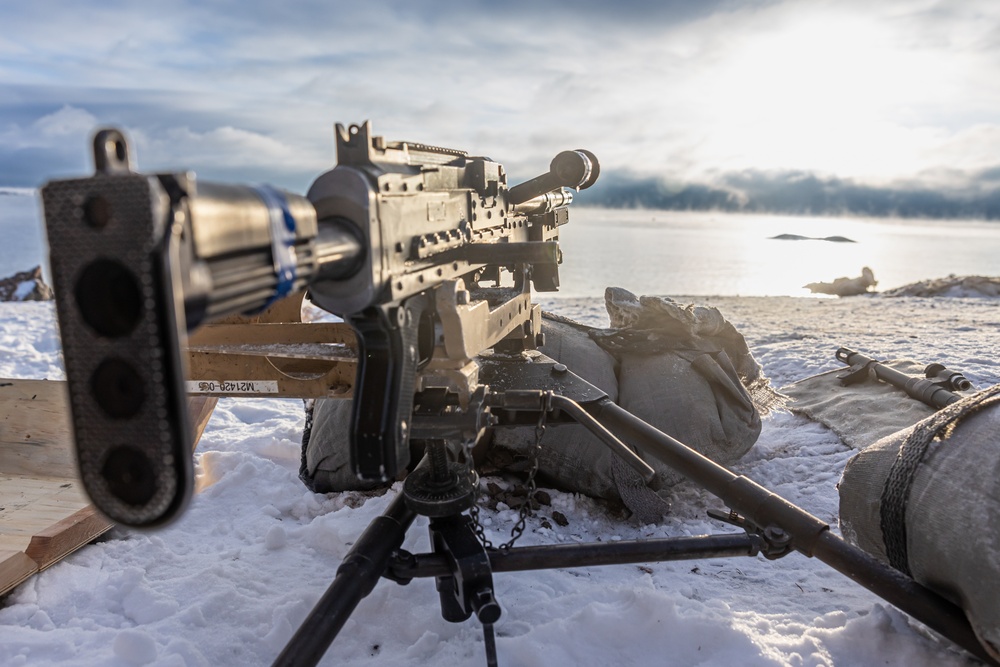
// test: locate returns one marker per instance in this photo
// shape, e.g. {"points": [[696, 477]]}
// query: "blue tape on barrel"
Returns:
{"points": [[282, 240]]}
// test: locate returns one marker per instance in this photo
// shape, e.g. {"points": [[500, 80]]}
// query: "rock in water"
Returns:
{"points": [[846, 286], [25, 286]]}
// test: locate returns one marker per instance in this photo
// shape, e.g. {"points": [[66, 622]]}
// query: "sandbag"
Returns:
{"points": [[571, 458], [684, 369], [695, 397], [926, 500], [687, 371], [675, 372], [326, 450]]}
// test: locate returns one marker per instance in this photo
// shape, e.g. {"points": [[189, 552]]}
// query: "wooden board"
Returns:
{"points": [[44, 513], [35, 429], [287, 359]]}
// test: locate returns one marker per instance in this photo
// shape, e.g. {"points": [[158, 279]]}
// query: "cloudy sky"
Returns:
{"points": [[879, 93]]}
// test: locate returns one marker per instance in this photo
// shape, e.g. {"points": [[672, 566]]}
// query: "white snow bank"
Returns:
{"points": [[230, 581]]}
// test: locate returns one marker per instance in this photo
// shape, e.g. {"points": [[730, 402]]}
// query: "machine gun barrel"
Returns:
{"points": [[947, 378], [921, 389], [251, 246], [545, 203]]}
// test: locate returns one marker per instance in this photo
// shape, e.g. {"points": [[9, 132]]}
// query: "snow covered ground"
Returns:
{"points": [[230, 581]]}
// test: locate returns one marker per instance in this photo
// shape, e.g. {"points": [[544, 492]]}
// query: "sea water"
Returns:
{"points": [[708, 253], [687, 253], [22, 234]]}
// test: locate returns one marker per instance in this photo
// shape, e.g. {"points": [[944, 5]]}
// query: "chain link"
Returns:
{"points": [[477, 526], [525, 509]]}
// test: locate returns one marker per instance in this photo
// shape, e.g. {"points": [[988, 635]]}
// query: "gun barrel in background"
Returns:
{"points": [[253, 245], [918, 388], [577, 169], [947, 378]]}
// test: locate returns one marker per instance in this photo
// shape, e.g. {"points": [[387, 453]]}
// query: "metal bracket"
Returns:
{"points": [[857, 373], [469, 587], [772, 542]]}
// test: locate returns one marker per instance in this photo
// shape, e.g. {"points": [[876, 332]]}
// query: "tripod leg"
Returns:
{"points": [[356, 577], [468, 587], [491, 645]]}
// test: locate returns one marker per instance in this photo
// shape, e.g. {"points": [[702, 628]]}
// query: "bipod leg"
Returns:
{"points": [[356, 578], [468, 587]]}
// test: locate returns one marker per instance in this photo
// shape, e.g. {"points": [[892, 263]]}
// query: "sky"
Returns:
{"points": [[893, 94]]}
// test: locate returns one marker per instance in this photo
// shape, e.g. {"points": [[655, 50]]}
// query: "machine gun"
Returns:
{"points": [[431, 258]]}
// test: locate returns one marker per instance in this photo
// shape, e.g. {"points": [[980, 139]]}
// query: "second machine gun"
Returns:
{"points": [[431, 258]]}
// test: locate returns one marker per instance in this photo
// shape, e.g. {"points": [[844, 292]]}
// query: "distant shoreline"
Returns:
{"points": [[586, 200], [17, 192]]}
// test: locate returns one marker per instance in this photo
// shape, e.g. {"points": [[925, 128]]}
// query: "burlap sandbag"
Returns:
{"points": [[926, 500], [687, 371], [326, 451], [674, 372], [694, 396], [859, 413], [690, 375], [571, 458]]}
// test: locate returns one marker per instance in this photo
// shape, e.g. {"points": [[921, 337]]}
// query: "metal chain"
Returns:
{"points": [[525, 509], [477, 526]]}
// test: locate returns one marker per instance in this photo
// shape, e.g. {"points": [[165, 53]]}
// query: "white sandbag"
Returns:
{"points": [[926, 500], [571, 458]]}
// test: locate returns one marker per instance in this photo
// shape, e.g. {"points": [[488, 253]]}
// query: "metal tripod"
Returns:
{"points": [[462, 567]]}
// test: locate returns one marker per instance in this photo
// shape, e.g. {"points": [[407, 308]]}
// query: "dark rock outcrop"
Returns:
{"points": [[25, 286]]}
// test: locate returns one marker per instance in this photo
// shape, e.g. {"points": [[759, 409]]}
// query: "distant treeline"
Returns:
{"points": [[795, 193]]}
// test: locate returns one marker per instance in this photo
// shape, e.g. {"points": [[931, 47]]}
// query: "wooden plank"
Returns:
{"points": [[200, 408], [32, 505], [45, 517], [311, 379], [52, 544], [281, 333], [15, 567], [35, 429]]}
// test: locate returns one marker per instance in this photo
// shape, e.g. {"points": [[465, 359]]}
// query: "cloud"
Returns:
{"points": [[66, 122], [665, 90]]}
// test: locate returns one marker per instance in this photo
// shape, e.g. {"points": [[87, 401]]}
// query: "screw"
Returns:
{"points": [[776, 535]]}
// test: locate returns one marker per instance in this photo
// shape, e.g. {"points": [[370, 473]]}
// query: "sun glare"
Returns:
{"points": [[827, 93]]}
